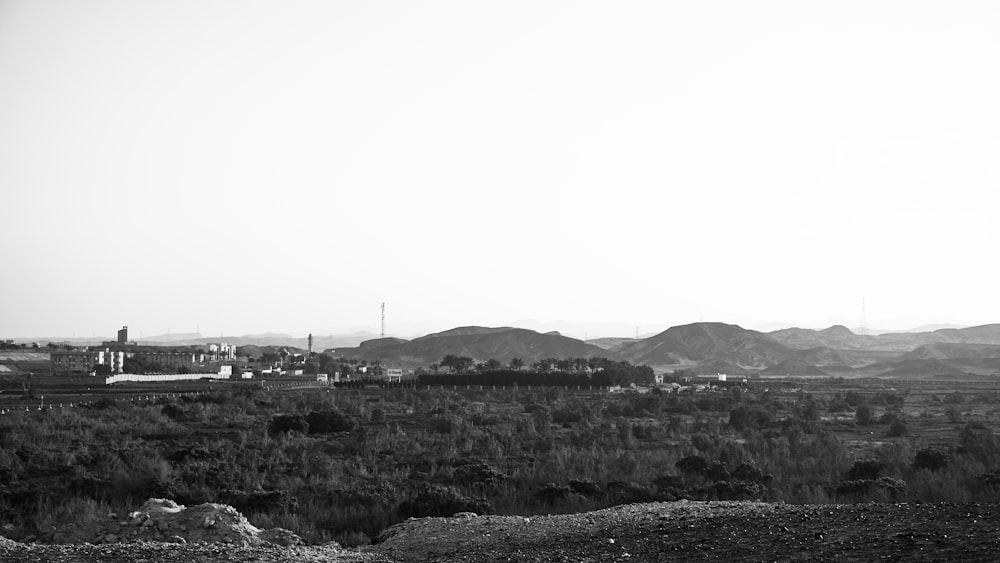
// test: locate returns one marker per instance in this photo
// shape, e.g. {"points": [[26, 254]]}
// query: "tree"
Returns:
{"points": [[897, 428], [457, 364], [863, 415], [492, 365], [692, 464], [932, 459], [516, 364], [102, 370]]}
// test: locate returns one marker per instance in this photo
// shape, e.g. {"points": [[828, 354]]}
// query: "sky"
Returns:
{"points": [[238, 167]]}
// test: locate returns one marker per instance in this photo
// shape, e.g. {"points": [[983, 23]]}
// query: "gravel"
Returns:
{"points": [[673, 531]]}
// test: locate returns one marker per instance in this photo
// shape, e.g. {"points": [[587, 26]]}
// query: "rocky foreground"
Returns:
{"points": [[673, 531]]}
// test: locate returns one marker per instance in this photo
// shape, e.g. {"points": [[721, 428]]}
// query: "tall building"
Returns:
{"points": [[222, 352]]}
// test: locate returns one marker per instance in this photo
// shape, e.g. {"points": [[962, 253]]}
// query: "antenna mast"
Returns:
{"points": [[864, 318], [383, 320]]}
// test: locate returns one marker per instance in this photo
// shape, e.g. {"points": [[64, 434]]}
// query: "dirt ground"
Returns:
{"points": [[674, 531]]}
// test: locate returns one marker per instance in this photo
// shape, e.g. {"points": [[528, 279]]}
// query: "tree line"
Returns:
{"points": [[547, 372]]}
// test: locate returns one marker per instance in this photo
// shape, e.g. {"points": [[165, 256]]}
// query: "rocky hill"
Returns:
{"points": [[722, 345], [479, 343]]}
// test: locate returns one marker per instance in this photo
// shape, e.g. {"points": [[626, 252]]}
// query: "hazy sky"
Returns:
{"points": [[241, 167]]}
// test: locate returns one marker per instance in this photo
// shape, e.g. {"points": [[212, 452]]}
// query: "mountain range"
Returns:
{"points": [[713, 347]]}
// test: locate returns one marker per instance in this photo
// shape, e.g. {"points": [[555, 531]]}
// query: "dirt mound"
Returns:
{"points": [[708, 531], [165, 520], [674, 531]]}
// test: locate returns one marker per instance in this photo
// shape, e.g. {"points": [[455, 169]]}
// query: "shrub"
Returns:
{"points": [[437, 500], [744, 416], [551, 493], [717, 471], [259, 501], [287, 423], [897, 428], [991, 478], [584, 487], [838, 405], [863, 415], [480, 473], [977, 440], [747, 472], [894, 488], [172, 411], [626, 493], [869, 469], [330, 421], [930, 458], [692, 465]]}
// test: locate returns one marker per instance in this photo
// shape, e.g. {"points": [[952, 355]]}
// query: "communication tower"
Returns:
{"points": [[383, 320]]}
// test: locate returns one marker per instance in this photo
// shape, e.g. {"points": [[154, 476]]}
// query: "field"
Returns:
{"points": [[339, 464]]}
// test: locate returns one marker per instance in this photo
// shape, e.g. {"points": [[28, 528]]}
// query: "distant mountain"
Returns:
{"points": [[793, 366], [841, 338], [320, 341], [695, 345], [983, 334], [953, 351], [838, 337], [914, 368], [172, 338], [933, 327], [611, 343], [479, 343]]}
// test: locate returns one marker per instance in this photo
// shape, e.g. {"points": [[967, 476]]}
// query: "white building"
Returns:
{"points": [[222, 352], [84, 361]]}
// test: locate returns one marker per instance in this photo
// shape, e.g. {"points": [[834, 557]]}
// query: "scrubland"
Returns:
{"points": [[344, 464]]}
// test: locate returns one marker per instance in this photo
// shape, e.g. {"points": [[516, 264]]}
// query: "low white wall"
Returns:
{"points": [[160, 377]]}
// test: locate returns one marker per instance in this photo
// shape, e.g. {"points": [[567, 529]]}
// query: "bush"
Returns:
{"points": [[584, 487], [932, 459], [744, 416], [436, 500], [478, 473], [692, 465], [173, 411], [551, 493], [869, 469], [717, 471], [328, 422], [259, 501], [897, 428], [863, 415], [747, 472], [978, 440], [628, 493], [287, 423]]}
